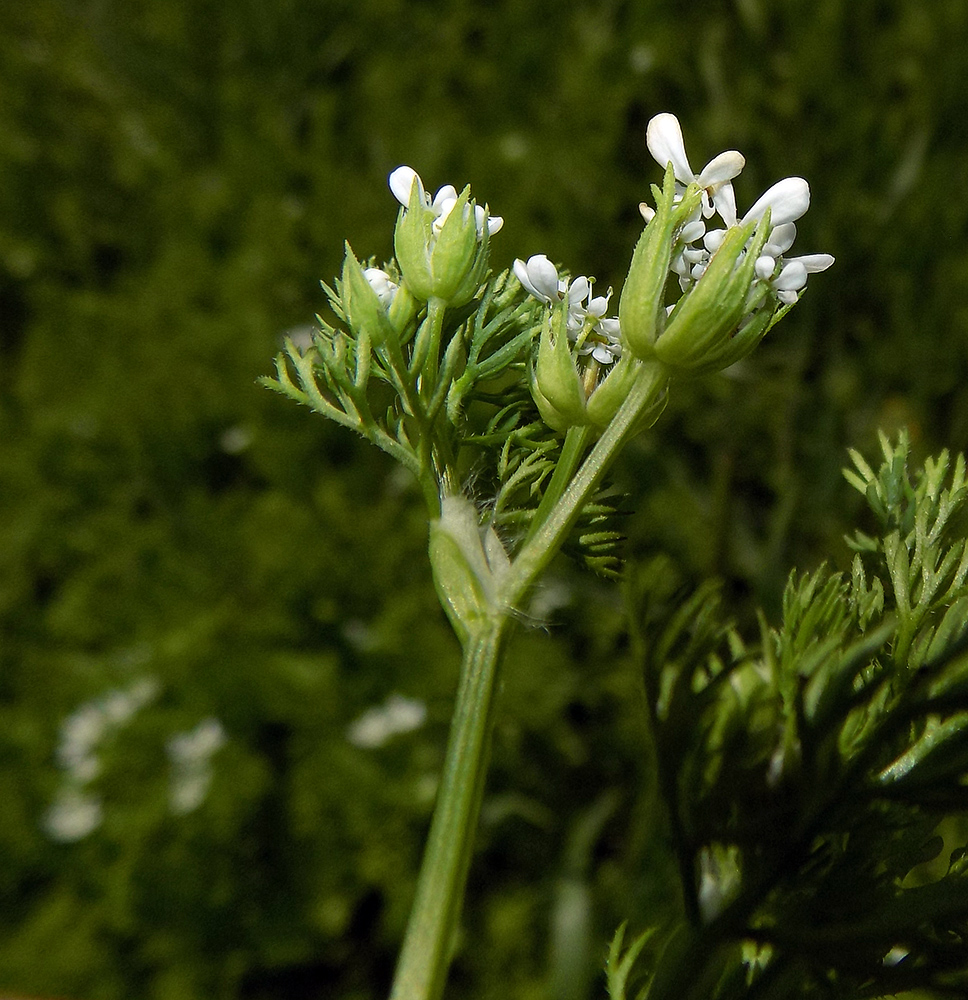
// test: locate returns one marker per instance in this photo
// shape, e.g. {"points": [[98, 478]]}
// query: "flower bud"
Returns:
{"points": [[441, 254], [556, 386], [641, 310], [703, 332], [364, 311]]}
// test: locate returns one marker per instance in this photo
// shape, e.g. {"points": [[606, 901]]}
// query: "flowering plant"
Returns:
{"points": [[526, 378]]}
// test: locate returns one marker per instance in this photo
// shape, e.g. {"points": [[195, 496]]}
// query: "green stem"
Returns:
{"points": [[425, 368], [576, 441], [425, 957], [543, 545]]}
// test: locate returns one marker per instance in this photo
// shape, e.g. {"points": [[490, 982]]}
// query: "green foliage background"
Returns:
{"points": [[175, 178]]}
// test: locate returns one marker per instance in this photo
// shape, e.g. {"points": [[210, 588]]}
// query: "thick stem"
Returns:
{"points": [[425, 957]]}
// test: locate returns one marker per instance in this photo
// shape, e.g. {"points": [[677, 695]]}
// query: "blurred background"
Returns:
{"points": [[225, 682]]}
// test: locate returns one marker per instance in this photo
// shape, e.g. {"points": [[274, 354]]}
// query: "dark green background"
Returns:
{"points": [[175, 178]]}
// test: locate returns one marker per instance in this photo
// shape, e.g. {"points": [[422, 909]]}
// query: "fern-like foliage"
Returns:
{"points": [[815, 781], [470, 416]]}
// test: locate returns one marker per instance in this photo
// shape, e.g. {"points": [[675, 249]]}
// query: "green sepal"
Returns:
{"points": [[697, 338], [612, 391], [453, 255], [641, 309], [411, 242], [362, 309], [555, 384]]}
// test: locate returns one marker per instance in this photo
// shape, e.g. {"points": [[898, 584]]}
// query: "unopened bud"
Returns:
{"points": [[362, 306], [443, 259]]}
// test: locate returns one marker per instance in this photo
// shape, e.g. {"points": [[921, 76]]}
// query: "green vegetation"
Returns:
{"points": [[175, 180]]}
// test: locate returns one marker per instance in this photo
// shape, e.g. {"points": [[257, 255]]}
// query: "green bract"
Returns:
{"points": [[468, 564], [568, 396]]}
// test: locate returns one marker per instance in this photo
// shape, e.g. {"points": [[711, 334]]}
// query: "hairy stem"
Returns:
{"points": [[425, 957]]}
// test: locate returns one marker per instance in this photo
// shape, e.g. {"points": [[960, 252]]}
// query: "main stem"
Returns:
{"points": [[425, 956]]}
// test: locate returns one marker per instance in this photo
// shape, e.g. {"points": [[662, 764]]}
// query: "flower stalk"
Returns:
{"points": [[540, 393], [425, 957]]}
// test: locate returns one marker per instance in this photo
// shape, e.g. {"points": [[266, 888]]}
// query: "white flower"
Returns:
{"points": [[787, 201], [401, 183], [540, 278], [72, 816], [379, 724], [586, 322], [792, 274], [664, 139]]}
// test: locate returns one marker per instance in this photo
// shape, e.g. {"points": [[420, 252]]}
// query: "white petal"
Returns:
{"points": [[781, 239], [721, 168], [787, 298], [692, 231], [792, 277], [787, 199], [494, 222], [713, 240], [814, 262], [382, 284], [724, 200], [764, 267], [443, 208], [401, 182], [602, 354], [579, 290], [646, 212], [539, 276], [664, 139], [446, 195]]}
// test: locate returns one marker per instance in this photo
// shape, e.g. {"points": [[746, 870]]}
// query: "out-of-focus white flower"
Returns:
{"points": [[190, 755], [664, 139], [83, 731], [198, 744], [72, 816], [377, 725]]}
